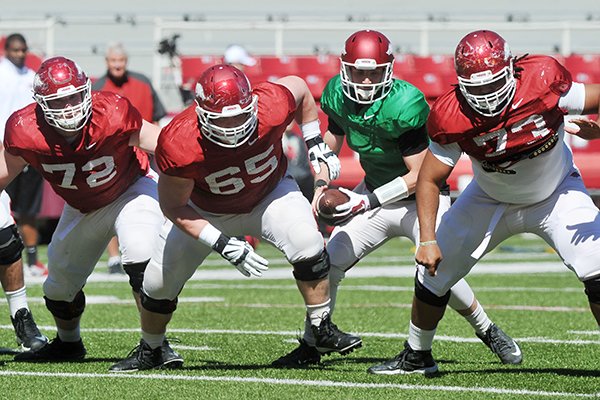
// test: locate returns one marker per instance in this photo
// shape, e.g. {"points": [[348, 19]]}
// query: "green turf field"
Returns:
{"points": [[229, 331]]}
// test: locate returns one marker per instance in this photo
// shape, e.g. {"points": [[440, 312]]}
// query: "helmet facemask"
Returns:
{"points": [[70, 118], [366, 93], [501, 90], [229, 137]]}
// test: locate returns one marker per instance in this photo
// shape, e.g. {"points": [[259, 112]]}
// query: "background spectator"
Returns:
{"points": [[139, 91], [238, 56], [16, 81]]}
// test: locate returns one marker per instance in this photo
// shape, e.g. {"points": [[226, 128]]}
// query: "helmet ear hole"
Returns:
{"points": [[223, 94]]}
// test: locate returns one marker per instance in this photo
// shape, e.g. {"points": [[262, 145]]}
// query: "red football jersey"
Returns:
{"points": [[230, 180], [530, 120], [94, 170]]}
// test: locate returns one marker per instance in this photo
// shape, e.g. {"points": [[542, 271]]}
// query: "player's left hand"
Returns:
{"points": [[429, 257], [357, 204], [315, 200], [318, 151], [584, 128]]}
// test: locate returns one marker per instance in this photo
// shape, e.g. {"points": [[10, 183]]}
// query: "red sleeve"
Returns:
{"points": [[178, 144], [120, 115], [274, 97], [444, 121]]}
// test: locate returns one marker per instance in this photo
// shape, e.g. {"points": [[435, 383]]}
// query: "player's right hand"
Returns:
{"points": [[241, 254], [429, 257]]}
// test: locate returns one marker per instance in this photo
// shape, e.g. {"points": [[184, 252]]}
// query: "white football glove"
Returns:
{"points": [[318, 151], [241, 255], [357, 204]]}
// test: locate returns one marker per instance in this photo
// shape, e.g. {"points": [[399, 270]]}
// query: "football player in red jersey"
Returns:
{"points": [[223, 176], [90, 146], [507, 114]]}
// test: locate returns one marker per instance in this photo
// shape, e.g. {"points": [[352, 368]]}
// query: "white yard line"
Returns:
{"points": [[382, 288], [364, 270], [302, 382], [445, 338]]}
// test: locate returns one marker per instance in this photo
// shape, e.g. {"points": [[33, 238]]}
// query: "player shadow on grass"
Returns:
{"points": [[511, 369], [85, 360], [8, 351]]}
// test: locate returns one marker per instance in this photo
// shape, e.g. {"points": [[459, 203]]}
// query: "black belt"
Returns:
{"points": [[541, 149]]}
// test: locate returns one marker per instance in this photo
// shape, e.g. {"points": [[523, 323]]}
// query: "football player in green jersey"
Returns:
{"points": [[383, 120]]}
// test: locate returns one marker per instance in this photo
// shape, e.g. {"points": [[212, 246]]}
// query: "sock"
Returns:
{"points": [[65, 335], [317, 312], [479, 320], [32, 257], [419, 339], [153, 340], [336, 274], [16, 300], [113, 260]]}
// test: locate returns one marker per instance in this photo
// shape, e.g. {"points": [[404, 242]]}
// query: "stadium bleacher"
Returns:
{"points": [[433, 75]]}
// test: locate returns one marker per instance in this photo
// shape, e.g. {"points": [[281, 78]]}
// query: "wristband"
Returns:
{"points": [[428, 243], [320, 183], [310, 130], [209, 235]]}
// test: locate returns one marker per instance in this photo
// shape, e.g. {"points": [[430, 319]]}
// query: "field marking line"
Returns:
{"points": [[456, 339], [301, 382]]}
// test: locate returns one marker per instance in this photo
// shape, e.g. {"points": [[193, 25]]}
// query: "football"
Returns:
{"points": [[328, 201]]}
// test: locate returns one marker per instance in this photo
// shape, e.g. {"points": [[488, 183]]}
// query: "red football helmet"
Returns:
{"points": [[367, 51], [484, 66], [64, 93], [223, 91]]}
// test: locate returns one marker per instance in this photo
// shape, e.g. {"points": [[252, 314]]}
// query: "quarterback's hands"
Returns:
{"points": [[241, 255], [584, 128], [318, 151], [357, 204], [429, 256]]}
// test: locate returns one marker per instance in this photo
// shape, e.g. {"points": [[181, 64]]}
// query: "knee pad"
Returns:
{"points": [[136, 274], [67, 310], [11, 245], [592, 290], [158, 306], [428, 297], [313, 268]]}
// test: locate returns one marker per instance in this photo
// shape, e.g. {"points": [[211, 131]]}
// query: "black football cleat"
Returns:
{"points": [[55, 351], [143, 357], [329, 339], [409, 361], [502, 345], [28, 334], [302, 356]]}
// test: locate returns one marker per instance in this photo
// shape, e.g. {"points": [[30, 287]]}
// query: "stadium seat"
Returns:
{"points": [[279, 66], [440, 64], [430, 83], [322, 65], [584, 68], [193, 66], [404, 64], [316, 84]]}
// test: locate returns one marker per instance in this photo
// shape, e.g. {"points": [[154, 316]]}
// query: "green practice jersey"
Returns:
{"points": [[382, 132]]}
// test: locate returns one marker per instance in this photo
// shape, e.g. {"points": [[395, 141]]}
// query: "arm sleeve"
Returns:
{"points": [[446, 153], [334, 128], [574, 100], [414, 141]]}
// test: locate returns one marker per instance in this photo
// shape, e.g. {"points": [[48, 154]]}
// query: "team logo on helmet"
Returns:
{"points": [[200, 92]]}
